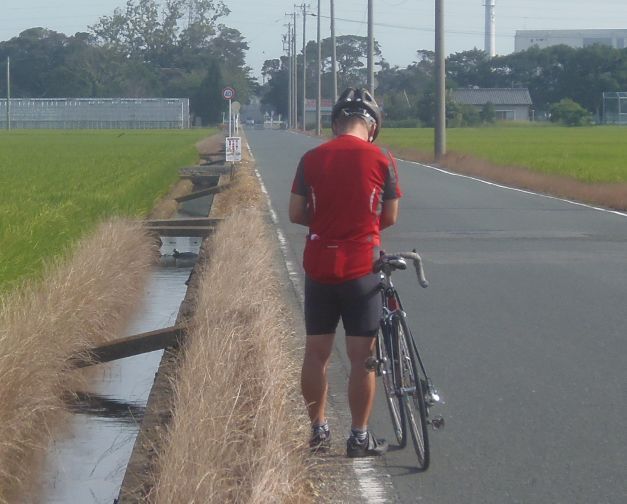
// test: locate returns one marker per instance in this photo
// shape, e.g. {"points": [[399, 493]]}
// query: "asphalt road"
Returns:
{"points": [[524, 331]]}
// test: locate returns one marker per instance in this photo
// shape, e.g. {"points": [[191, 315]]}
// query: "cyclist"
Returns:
{"points": [[346, 191]]}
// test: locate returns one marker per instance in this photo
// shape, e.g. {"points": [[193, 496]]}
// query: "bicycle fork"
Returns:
{"points": [[430, 395]]}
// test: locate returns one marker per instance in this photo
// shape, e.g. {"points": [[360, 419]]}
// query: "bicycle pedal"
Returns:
{"points": [[438, 423], [371, 363]]}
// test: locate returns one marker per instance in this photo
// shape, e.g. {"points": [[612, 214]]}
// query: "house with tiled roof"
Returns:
{"points": [[510, 104]]}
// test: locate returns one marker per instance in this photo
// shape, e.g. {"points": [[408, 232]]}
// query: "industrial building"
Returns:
{"points": [[526, 39], [95, 113]]}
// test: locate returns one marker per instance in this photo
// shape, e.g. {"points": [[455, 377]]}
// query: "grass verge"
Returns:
{"points": [[80, 303], [235, 435], [590, 155]]}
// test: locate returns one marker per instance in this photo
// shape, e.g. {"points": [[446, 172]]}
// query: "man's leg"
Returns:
{"points": [[362, 382], [313, 378]]}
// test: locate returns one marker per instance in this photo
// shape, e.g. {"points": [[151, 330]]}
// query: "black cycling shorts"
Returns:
{"points": [[357, 302]]}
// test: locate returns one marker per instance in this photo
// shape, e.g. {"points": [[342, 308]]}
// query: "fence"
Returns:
{"points": [[615, 108], [96, 113]]}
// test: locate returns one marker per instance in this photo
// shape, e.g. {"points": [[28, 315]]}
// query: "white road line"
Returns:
{"points": [[292, 270], [374, 486], [525, 191]]}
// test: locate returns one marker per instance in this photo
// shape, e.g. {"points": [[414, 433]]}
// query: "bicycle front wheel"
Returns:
{"points": [[413, 397], [386, 350]]}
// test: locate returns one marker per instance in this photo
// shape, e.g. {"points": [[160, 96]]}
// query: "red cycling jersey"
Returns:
{"points": [[345, 182]]}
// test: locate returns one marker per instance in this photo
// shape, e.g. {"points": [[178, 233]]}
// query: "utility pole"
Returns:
{"points": [[370, 47], [333, 52], [304, 67], [8, 93], [440, 83], [319, 86], [295, 77], [288, 41]]}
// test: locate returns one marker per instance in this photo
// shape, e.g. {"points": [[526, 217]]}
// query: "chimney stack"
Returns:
{"points": [[490, 28]]}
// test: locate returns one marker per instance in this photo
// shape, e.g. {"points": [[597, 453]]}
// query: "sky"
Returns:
{"points": [[401, 26]]}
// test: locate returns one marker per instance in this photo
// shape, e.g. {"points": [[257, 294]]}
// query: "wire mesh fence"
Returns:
{"points": [[615, 107], [95, 113]]}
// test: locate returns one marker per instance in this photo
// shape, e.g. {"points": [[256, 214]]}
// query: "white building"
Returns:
{"points": [[526, 39]]}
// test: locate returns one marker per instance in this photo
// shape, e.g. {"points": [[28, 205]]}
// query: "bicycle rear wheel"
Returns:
{"points": [[414, 400], [395, 405]]}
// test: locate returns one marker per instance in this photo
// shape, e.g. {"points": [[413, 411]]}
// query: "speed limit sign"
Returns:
{"points": [[228, 93]]}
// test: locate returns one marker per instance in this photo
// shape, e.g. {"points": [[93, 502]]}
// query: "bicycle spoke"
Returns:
{"points": [[413, 400], [394, 404]]}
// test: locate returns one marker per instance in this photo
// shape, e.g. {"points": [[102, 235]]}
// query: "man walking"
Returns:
{"points": [[345, 191]]}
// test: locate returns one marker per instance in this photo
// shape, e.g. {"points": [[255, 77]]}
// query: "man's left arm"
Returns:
{"points": [[389, 213], [298, 211]]}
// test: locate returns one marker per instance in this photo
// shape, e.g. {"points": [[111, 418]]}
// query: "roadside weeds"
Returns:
{"points": [[613, 196], [81, 302], [236, 431]]}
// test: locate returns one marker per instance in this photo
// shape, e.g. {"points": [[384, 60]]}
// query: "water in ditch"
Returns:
{"points": [[87, 463]]}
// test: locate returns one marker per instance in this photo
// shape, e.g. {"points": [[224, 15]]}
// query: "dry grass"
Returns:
{"points": [[611, 195], [235, 435], [245, 193], [80, 303]]}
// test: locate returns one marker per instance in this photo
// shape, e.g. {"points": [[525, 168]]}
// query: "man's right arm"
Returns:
{"points": [[298, 210]]}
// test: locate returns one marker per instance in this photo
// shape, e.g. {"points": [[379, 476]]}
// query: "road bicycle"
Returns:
{"points": [[408, 389]]}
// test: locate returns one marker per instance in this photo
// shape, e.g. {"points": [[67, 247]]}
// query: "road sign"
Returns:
{"points": [[233, 149], [228, 93], [236, 107]]}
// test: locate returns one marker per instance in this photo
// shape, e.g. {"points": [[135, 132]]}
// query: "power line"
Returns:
{"points": [[413, 28]]}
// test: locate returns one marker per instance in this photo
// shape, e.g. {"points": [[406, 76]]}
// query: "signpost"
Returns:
{"points": [[233, 143], [235, 107], [233, 149], [228, 93]]}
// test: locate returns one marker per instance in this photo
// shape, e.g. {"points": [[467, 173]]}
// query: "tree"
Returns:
{"points": [[275, 91], [488, 113], [469, 68], [570, 113], [352, 53], [142, 32], [45, 63], [207, 103], [229, 47]]}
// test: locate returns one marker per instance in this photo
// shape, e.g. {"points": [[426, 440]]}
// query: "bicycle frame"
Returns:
{"points": [[393, 309]]}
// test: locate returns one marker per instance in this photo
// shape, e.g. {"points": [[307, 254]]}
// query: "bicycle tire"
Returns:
{"points": [[394, 402], [415, 407]]}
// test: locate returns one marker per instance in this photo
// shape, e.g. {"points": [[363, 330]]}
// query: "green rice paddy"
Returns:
{"points": [[590, 154], [57, 185]]}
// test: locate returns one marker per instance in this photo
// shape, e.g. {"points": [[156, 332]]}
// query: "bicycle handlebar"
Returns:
{"points": [[417, 260]]}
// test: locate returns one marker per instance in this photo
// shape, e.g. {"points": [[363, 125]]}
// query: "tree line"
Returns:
{"points": [[574, 77], [180, 49]]}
